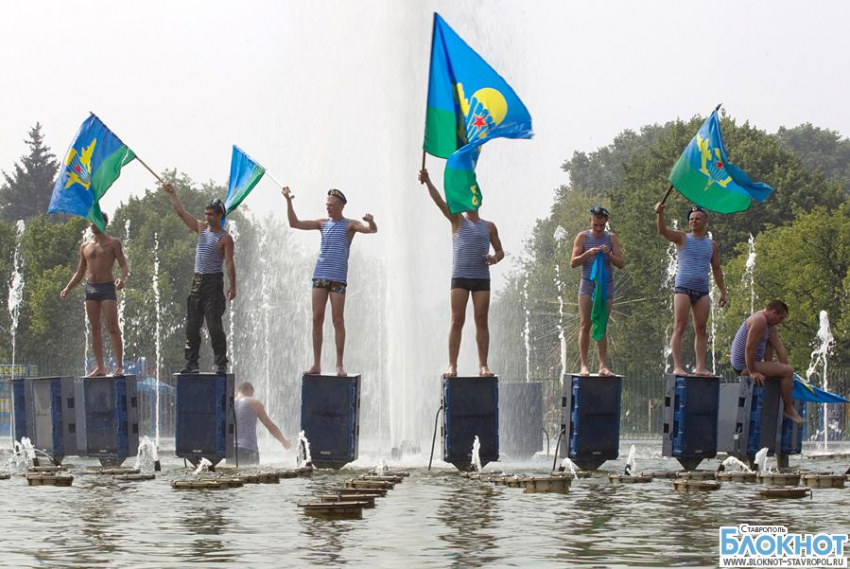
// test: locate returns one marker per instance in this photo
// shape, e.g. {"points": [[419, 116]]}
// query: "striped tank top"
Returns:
{"points": [[470, 245], [209, 259], [694, 263], [246, 423], [739, 347], [332, 264], [589, 243]]}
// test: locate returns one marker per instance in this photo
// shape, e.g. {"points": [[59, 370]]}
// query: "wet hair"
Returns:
{"points": [[246, 388], [217, 205], [777, 306], [105, 219]]}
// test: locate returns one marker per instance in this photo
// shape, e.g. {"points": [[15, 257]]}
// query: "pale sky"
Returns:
{"points": [[332, 93]]}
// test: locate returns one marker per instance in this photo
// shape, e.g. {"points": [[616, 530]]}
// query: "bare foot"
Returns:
{"points": [[794, 416], [118, 372], [584, 371], [315, 370], [451, 372], [680, 371], [97, 372], [485, 372], [702, 372], [604, 371], [340, 372]]}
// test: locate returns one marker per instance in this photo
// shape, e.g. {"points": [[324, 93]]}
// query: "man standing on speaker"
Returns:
{"points": [[330, 277], [206, 298], [97, 261], [248, 410], [471, 260]]}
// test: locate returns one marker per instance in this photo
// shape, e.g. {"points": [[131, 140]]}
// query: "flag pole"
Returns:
{"points": [[148, 168], [670, 189], [276, 181], [430, 61]]}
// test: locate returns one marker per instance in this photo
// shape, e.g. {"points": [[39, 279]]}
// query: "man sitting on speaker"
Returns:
{"points": [[248, 410], [755, 342]]}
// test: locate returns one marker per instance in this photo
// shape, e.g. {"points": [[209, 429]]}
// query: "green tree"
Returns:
{"points": [[26, 192], [820, 150]]}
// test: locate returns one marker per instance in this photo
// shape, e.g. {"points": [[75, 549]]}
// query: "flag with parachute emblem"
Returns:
{"points": [[468, 105], [245, 172], [704, 175], [91, 165]]}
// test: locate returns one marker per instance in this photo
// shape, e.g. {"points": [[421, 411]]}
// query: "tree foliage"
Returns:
{"points": [[26, 192]]}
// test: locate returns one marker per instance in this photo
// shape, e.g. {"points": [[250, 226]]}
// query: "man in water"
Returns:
{"points": [[248, 410], [696, 255], [757, 337], [588, 244], [206, 297], [330, 277], [471, 260], [97, 261]]}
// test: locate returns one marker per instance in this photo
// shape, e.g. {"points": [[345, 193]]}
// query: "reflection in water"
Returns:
{"points": [[471, 513], [204, 520]]}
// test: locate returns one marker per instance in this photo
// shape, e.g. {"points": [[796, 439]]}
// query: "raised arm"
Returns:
{"points": [[294, 222], [78, 276], [368, 227], [671, 235], [269, 424], [122, 264], [717, 271], [192, 223], [230, 266], [616, 255], [499, 253], [425, 178]]}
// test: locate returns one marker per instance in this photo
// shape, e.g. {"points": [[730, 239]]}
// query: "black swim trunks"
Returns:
{"points": [[694, 295], [100, 291], [472, 285]]}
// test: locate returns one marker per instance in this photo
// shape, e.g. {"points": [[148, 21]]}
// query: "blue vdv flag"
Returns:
{"points": [[805, 391], [469, 104], [704, 175], [244, 175], [91, 165]]}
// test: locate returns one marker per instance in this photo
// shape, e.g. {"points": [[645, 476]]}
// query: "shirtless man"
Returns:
{"points": [[97, 260], [472, 238], [330, 277]]}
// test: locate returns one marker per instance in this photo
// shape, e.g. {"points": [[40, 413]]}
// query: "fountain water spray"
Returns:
{"points": [[147, 452], [748, 278], [16, 287], [668, 282], [381, 468], [157, 302], [234, 233], [631, 467], [561, 238], [476, 457], [203, 466], [122, 300], [732, 461], [567, 463], [303, 457], [712, 296], [88, 237], [761, 461], [526, 333], [819, 358]]}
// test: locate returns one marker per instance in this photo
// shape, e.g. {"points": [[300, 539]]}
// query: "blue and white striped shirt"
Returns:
{"points": [[739, 347], [694, 263], [470, 245], [332, 264], [209, 259], [591, 241]]}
